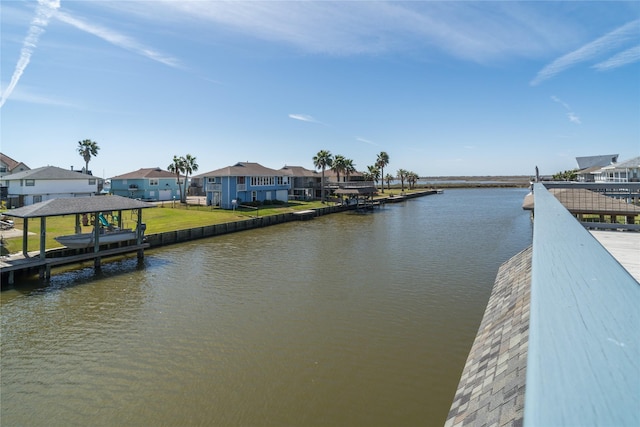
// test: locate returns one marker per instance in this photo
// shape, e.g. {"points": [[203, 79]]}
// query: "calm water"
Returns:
{"points": [[352, 320]]}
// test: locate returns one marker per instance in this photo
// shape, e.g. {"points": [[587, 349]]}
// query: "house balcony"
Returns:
{"points": [[213, 187]]}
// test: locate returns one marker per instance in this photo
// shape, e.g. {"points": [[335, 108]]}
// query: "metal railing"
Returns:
{"points": [[600, 205], [583, 362]]}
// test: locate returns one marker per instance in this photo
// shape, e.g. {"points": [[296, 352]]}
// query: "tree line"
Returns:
{"points": [[341, 165]]}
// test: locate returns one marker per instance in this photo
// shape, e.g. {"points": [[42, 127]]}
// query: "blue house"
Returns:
{"points": [[244, 182], [147, 184]]}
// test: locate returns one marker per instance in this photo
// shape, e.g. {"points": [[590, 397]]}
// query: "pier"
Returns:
{"points": [[44, 260], [558, 343]]}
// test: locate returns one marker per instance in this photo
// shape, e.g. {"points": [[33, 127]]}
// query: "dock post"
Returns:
{"points": [[97, 262], [47, 274]]}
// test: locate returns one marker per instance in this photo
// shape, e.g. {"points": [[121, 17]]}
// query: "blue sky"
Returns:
{"points": [[445, 88]]}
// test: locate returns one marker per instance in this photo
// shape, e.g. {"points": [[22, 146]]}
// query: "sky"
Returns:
{"points": [[444, 88]]}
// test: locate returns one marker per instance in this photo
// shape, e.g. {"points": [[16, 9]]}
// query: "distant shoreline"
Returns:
{"points": [[488, 181]]}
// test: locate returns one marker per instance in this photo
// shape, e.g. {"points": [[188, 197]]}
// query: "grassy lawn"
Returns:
{"points": [[158, 220], [165, 217]]}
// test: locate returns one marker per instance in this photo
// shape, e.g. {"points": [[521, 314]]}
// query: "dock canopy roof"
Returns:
{"points": [[77, 205]]}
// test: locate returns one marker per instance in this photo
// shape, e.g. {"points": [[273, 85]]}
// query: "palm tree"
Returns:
{"points": [[338, 165], [177, 167], [374, 173], [349, 168], [190, 166], [87, 149], [402, 175], [388, 177], [322, 161], [412, 178], [381, 162]]}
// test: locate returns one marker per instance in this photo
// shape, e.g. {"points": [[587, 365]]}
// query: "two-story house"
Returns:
{"points": [[7, 167], [147, 184], [244, 182], [627, 171], [45, 183], [305, 183]]}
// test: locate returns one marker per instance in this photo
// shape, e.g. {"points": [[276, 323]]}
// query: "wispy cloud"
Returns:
{"points": [[304, 118], [573, 118], [366, 141], [604, 45], [120, 40], [628, 56], [466, 30], [44, 11]]}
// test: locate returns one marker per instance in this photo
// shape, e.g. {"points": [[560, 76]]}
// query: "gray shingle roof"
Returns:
{"points": [[49, 172], [147, 173], [74, 205], [299, 171], [242, 169]]}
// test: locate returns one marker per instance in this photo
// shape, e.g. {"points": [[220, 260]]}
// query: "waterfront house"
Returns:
{"points": [[45, 183], [305, 183], [589, 165], [627, 171], [147, 184], [9, 166], [244, 182]]}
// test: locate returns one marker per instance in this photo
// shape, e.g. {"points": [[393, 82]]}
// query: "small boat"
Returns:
{"points": [[86, 240]]}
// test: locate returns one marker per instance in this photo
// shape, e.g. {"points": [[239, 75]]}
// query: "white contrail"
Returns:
{"points": [[603, 45], [44, 11]]}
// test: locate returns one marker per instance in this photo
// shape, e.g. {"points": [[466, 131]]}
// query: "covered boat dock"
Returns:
{"points": [[79, 207]]}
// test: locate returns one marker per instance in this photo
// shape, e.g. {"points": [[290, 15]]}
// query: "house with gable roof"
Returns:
{"points": [[305, 183], [627, 171], [244, 182], [9, 166], [589, 165], [147, 184], [45, 183]]}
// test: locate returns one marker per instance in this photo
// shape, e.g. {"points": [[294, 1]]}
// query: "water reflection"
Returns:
{"points": [[342, 320]]}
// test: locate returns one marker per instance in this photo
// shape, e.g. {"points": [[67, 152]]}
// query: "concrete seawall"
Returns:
{"points": [[179, 236]]}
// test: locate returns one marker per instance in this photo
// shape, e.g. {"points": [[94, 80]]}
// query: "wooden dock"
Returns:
{"points": [[18, 263]]}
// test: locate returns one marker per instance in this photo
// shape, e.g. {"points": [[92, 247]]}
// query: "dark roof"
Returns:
{"points": [[48, 172], [77, 205], [147, 173], [299, 171], [242, 169], [11, 164]]}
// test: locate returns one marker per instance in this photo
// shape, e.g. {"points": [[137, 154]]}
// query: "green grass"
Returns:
{"points": [[165, 217], [160, 219]]}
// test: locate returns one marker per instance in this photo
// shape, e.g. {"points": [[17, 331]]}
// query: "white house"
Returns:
{"points": [[45, 183], [627, 171]]}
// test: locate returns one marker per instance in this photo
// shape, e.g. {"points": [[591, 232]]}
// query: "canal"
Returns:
{"points": [[344, 320]]}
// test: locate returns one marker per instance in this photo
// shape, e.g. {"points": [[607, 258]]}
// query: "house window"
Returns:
{"points": [[29, 182], [153, 181], [37, 199], [92, 182], [262, 180], [3, 169], [254, 196], [240, 180]]}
